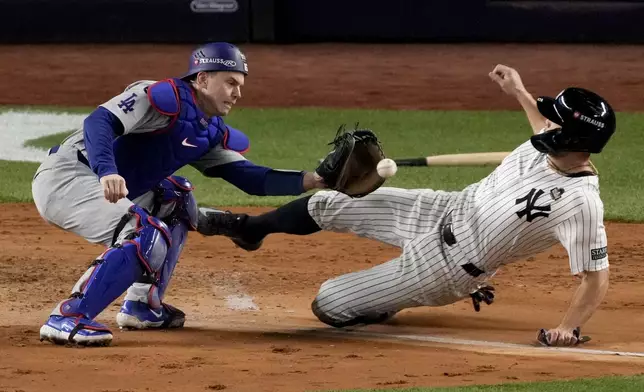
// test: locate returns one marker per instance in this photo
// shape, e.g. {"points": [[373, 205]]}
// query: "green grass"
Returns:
{"points": [[296, 138], [46, 142], [606, 384]]}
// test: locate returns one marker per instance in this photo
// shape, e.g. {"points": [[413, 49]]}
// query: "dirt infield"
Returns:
{"points": [[249, 325]]}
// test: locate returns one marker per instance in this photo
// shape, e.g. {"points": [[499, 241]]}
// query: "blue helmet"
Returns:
{"points": [[217, 56]]}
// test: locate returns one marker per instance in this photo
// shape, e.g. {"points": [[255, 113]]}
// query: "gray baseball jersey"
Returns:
{"points": [[521, 208], [67, 192]]}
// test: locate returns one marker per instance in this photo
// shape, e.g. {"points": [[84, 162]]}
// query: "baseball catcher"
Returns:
{"points": [[111, 182]]}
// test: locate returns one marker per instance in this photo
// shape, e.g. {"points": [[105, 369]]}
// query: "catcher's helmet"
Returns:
{"points": [[217, 56], [587, 122]]}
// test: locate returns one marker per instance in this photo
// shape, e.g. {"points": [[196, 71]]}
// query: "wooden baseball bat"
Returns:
{"points": [[468, 159]]}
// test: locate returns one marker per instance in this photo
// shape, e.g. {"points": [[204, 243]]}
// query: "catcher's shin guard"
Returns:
{"points": [[174, 191], [143, 306], [179, 234], [141, 252]]}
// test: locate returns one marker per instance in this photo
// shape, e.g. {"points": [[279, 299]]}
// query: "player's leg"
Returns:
{"points": [[142, 252], [173, 202], [248, 231], [68, 195], [419, 277], [391, 215]]}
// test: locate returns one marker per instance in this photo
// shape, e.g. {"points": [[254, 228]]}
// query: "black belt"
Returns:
{"points": [[79, 155], [446, 230], [448, 237]]}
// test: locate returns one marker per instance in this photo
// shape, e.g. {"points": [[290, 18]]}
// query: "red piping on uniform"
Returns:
{"points": [[166, 235], [140, 255], [225, 143], [68, 314], [174, 88], [172, 180], [174, 116], [91, 276]]}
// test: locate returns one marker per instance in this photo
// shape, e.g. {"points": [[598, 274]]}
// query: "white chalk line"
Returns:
{"points": [[469, 344], [17, 127]]}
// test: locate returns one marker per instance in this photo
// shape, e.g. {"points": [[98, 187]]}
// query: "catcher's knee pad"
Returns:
{"points": [[174, 200], [143, 251]]}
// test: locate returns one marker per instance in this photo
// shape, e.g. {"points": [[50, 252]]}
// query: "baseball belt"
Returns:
{"points": [[449, 239]]}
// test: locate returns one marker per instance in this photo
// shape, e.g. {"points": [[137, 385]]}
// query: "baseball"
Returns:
{"points": [[386, 168]]}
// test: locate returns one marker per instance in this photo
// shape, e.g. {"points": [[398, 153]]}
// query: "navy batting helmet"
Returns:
{"points": [[587, 122], [217, 56]]}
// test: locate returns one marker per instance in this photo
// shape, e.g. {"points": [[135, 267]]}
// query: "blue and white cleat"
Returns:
{"points": [[75, 330], [139, 315]]}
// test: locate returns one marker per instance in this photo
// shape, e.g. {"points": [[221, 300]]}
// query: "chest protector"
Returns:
{"points": [[144, 159]]}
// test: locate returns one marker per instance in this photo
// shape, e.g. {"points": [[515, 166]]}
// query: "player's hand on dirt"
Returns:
{"points": [[561, 337], [508, 79], [114, 187], [312, 180], [483, 294]]}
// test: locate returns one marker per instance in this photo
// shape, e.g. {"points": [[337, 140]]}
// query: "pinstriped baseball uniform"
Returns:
{"points": [[453, 241]]}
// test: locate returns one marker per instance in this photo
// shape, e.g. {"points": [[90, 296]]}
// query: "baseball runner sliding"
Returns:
{"points": [[544, 192]]}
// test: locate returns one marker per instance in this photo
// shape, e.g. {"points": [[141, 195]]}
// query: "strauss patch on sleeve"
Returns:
{"points": [[598, 253]]}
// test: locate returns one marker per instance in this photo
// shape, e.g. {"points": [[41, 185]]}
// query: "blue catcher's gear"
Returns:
{"points": [[139, 315], [216, 56], [79, 330], [142, 251], [143, 307], [189, 136]]}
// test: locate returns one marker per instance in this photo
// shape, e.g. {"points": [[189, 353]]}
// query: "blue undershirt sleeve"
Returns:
{"points": [[99, 130], [259, 180]]}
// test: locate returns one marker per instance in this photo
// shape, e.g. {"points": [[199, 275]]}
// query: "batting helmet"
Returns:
{"points": [[216, 56], [587, 122]]}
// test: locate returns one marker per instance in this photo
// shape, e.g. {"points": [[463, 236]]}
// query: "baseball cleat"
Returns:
{"points": [[217, 222], [139, 315], [75, 330]]}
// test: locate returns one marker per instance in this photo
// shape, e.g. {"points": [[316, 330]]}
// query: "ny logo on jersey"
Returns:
{"points": [[127, 105], [530, 200]]}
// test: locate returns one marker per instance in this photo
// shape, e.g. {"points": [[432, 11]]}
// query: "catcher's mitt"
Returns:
{"points": [[350, 167]]}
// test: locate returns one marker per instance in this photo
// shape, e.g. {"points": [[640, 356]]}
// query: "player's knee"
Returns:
{"points": [[174, 197], [320, 306], [150, 235], [323, 316]]}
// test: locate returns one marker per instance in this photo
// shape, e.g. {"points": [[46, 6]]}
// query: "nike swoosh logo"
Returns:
{"points": [[185, 143], [155, 313]]}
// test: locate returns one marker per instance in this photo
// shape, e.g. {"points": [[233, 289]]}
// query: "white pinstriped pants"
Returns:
{"points": [[423, 275]]}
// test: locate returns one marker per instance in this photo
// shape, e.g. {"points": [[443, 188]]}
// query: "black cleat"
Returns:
{"points": [[217, 222]]}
